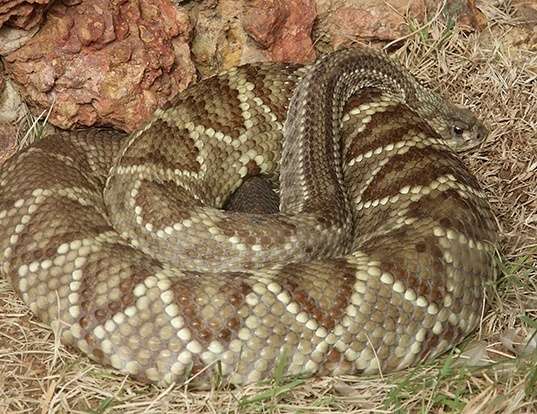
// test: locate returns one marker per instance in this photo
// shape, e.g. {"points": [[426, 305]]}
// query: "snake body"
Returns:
{"points": [[378, 256]]}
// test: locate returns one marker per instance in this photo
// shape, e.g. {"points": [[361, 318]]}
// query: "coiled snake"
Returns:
{"points": [[377, 258]]}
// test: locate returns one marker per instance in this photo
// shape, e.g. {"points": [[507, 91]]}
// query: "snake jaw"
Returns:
{"points": [[474, 137]]}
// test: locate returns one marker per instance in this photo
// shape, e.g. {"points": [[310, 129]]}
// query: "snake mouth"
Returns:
{"points": [[476, 137], [469, 146]]}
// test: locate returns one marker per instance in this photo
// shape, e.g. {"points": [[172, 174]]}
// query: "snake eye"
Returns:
{"points": [[458, 130]]}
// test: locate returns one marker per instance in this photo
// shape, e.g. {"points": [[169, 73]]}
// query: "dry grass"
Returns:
{"points": [[494, 371]]}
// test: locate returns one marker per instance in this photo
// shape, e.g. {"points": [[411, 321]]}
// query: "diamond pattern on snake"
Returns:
{"points": [[375, 254]]}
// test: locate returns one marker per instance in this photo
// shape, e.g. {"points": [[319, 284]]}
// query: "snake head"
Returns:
{"points": [[462, 129]]}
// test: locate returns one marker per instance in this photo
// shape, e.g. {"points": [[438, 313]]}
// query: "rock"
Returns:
{"points": [[219, 39], [105, 62], [263, 20], [11, 39], [347, 21], [233, 32], [283, 28], [12, 110], [11, 105], [22, 14]]}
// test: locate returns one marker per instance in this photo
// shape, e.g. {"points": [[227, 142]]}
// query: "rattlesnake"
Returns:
{"points": [[378, 258]]}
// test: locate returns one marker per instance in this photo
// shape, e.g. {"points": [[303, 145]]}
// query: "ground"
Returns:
{"points": [[495, 73]]}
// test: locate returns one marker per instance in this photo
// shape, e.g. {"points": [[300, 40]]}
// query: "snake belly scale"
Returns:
{"points": [[378, 258]]}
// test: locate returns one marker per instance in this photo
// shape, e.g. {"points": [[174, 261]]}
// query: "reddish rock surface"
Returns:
{"points": [[232, 32], [22, 14], [105, 62], [219, 40], [345, 21], [282, 27], [371, 19]]}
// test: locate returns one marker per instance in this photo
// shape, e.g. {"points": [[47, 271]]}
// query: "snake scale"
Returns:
{"points": [[378, 257]]}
